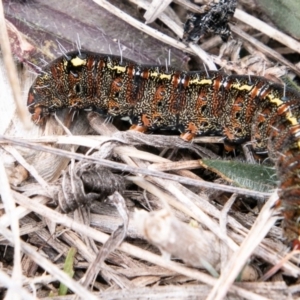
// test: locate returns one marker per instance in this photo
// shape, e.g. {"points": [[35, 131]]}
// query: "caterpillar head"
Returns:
{"points": [[58, 85], [41, 103]]}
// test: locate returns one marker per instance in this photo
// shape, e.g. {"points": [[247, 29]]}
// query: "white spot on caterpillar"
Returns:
{"points": [[77, 62]]}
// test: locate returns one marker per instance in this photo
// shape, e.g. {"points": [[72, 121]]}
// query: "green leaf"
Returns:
{"points": [[284, 13], [68, 268], [252, 176]]}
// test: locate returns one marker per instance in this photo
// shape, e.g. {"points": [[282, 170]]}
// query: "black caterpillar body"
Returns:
{"points": [[237, 107]]}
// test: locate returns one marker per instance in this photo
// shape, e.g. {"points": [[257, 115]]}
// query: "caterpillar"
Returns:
{"points": [[239, 108]]}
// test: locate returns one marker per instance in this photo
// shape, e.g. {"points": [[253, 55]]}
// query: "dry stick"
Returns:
{"points": [[262, 251], [155, 9], [204, 56], [144, 28], [25, 230], [175, 165], [112, 243], [20, 159], [132, 152], [261, 227], [48, 266], [157, 34], [11, 69], [126, 168], [93, 141], [165, 198], [20, 212], [201, 216], [129, 249], [268, 30], [43, 280], [163, 17], [189, 5], [265, 49], [10, 208], [10, 284], [275, 269], [223, 227]]}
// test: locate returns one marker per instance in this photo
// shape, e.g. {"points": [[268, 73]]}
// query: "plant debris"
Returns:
{"points": [[81, 182]]}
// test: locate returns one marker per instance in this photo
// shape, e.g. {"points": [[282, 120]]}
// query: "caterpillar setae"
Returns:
{"points": [[195, 103]]}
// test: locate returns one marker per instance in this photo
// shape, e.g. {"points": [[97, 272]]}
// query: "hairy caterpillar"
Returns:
{"points": [[237, 107]]}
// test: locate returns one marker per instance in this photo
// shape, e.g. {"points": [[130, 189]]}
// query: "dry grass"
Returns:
{"points": [[184, 239]]}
